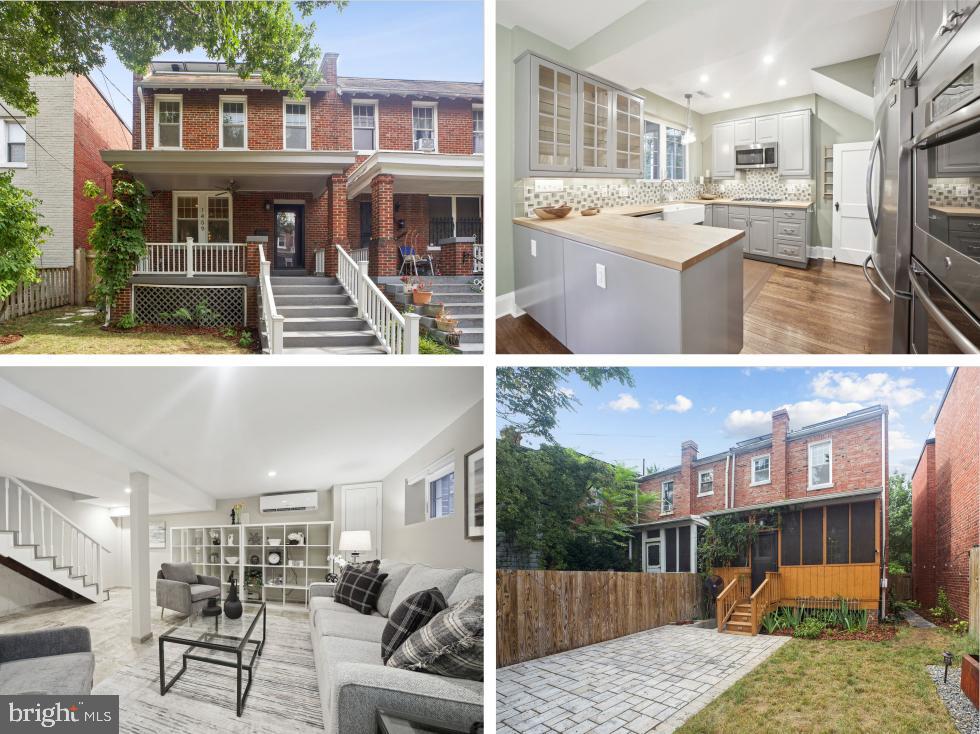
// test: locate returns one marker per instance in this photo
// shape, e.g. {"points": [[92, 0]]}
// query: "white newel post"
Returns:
{"points": [[412, 333], [139, 554], [190, 257], [362, 289]]}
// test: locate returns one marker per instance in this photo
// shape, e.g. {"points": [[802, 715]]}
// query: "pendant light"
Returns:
{"points": [[689, 136]]}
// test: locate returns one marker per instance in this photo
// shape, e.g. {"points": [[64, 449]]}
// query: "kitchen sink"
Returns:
{"points": [[684, 213]]}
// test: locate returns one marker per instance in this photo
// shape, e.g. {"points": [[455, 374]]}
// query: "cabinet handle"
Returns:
{"points": [[973, 225], [933, 217]]}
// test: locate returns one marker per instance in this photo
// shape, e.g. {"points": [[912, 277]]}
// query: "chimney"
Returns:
{"points": [[684, 492], [328, 68], [777, 464]]}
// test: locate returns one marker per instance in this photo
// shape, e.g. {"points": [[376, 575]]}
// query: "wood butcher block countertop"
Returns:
{"points": [[956, 211], [675, 246], [773, 204]]}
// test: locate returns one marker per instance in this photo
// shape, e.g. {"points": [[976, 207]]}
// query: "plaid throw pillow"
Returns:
{"points": [[450, 645], [359, 589], [412, 614]]}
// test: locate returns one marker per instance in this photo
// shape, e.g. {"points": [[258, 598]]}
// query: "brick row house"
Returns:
{"points": [[946, 497], [818, 493], [372, 165]]}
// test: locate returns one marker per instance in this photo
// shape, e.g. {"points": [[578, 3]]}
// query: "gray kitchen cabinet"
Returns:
{"points": [[627, 137], [745, 131], [708, 215], [538, 272], [904, 41], [719, 215], [939, 225], [767, 129], [760, 232], [739, 221], [964, 235], [794, 143], [723, 150], [595, 113], [958, 159], [936, 22]]}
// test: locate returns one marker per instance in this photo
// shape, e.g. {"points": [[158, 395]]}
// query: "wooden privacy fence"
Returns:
{"points": [[975, 590], [545, 612], [55, 289], [900, 585]]}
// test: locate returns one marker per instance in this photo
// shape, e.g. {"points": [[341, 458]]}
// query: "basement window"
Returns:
{"points": [[820, 465], [760, 470]]}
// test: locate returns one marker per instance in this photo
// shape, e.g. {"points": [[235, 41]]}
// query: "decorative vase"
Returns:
{"points": [[212, 609], [233, 605], [420, 297]]}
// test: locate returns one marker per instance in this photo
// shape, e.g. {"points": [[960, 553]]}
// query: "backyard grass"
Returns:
{"points": [[68, 331], [837, 686]]}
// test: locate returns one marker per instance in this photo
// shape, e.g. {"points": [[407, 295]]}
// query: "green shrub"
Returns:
{"points": [[809, 629], [772, 622], [21, 236], [960, 626], [428, 345], [790, 616], [896, 568], [204, 315], [127, 321], [245, 340], [943, 610]]}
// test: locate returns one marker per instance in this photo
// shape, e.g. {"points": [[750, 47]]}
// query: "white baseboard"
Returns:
{"points": [[818, 252], [507, 305]]}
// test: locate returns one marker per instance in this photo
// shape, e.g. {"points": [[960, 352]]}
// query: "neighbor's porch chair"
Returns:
{"points": [[183, 591]]}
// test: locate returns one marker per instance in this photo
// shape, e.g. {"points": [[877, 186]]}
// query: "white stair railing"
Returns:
{"points": [[271, 320], [38, 523], [398, 333]]}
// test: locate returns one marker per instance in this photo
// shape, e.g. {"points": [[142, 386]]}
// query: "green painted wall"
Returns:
{"points": [[857, 74]]}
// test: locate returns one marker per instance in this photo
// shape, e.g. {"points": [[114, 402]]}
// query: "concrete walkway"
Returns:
{"points": [[652, 681], [916, 620]]}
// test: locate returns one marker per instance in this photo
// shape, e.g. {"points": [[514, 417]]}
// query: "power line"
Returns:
{"points": [[36, 141], [124, 95], [112, 101]]}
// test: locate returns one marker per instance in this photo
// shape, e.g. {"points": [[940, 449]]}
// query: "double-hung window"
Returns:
{"points": [[365, 125], [666, 498], [478, 129], [820, 465], [14, 142], [760, 470], [706, 483], [441, 490], [170, 114], [424, 135], [296, 124], [234, 123], [664, 156]]}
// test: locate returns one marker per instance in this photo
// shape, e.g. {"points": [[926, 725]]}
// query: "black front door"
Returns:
{"points": [[289, 237], [763, 557]]}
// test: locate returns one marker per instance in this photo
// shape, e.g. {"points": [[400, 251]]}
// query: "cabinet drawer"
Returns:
{"points": [[799, 214], [965, 224], [790, 250], [760, 211], [790, 230], [966, 242], [738, 211], [720, 211]]}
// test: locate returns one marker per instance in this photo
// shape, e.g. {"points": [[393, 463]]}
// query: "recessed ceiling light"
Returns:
{"points": [[768, 59], [704, 77], [128, 490], [781, 82], [272, 473], [727, 95]]}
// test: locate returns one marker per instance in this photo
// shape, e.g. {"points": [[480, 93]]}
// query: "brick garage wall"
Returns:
{"points": [[924, 540], [96, 128], [957, 478]]}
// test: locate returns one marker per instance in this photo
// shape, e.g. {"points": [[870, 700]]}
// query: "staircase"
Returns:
{"points": [[462, 303], [42, 544], [740, 621], [319, 318]]}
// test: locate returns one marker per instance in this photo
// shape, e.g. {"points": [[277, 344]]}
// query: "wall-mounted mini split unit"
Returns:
{"points": [[290, 502]]}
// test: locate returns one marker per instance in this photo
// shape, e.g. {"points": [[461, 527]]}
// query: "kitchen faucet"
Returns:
{"points": [[666, 183]]}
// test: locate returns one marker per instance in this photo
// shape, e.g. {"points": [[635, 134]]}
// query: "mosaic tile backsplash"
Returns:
{"points": [[582, 193], [954, 192]]}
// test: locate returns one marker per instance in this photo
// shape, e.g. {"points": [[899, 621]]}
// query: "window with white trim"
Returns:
{"points": [[234, 123], [296, 125], [441, 491], [14, 141], [664, 155], [204, 216], [706, 483], [820, 464], [424, 127], [169, 116], [760, 470], [477, 129], [666, 498], [365, 125]]}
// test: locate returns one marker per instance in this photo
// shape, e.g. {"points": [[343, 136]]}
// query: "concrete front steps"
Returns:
{"points": [[319, 318], [462, 303]]}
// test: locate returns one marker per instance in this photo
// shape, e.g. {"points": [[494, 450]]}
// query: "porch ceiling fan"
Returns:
{"points": [[232, 187]]}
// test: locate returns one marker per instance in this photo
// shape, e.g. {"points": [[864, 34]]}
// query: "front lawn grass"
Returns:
{"points": [[56, 331], [836, 686]]}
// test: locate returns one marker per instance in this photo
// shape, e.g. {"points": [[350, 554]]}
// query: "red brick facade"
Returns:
{"points": [[946, 497]]}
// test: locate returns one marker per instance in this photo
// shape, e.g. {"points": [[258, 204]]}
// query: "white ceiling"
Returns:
{"points": [[215, 432], [666, 45]]}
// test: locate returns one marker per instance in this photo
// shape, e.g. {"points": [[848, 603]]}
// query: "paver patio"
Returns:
{"points": [[648, 682]]}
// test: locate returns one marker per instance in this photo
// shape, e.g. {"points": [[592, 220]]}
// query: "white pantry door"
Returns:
{"points": [[360, 509], [853, 238]]}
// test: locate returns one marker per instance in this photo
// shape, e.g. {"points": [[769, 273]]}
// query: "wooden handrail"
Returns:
{"points": [[737, 590], [766, 596]]}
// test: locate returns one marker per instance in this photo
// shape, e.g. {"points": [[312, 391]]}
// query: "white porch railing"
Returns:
{"points": [[38, 523], [360, 254], [192, 258], [398, 333], [477, 259], [272, 322], [321, 261]]}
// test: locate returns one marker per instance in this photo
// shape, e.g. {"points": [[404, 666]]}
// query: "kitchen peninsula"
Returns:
{"points": [[623, 282]]}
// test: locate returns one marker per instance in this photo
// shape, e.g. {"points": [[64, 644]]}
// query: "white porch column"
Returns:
{"points": [[139, 554]]}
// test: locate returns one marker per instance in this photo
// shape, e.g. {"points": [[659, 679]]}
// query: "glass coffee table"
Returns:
{"points": [[219, 641]]}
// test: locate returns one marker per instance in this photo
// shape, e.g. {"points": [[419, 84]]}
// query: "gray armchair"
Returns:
{"points": [[56, 662], [183, 591]]}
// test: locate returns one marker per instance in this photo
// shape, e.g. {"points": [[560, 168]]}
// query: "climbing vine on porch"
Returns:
{"points": [[117, 236], [728, 538]]}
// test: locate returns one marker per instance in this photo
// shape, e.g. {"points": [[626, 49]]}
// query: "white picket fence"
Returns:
{"points": [[57, 288]]}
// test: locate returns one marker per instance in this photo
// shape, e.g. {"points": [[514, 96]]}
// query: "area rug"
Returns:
{"points": [[284, 695]]}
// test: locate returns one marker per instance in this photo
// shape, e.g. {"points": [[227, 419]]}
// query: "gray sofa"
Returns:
{"points": [[55, 662], [353, 681], [182, 590]]}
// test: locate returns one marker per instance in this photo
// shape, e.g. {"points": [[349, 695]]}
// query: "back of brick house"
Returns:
{"points": [[818, 491], [946, 497], [368, 164]]}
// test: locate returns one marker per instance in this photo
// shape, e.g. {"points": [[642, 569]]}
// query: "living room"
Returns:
{"points": [[160, 526]]}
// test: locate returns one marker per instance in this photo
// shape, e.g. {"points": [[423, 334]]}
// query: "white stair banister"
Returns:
{"points": [[190, 257], [270, 316]]}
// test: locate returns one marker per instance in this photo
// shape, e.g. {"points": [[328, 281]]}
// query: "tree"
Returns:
{"points": [[21, 236], [900, 521], [57, 38], [529, 398]]}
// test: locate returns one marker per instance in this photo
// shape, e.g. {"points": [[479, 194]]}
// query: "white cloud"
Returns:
{"points": [[899, 442], [624, 403], [929, 413], [681, 404], [949, 370], [747, 423], [893, 415], [869, 388]]}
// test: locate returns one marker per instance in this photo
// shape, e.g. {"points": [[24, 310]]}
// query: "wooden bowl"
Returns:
{"points": [[591, 212], [552, 212]]}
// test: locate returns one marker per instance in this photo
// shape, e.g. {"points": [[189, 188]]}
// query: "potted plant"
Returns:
{"points": [[970, 670], [422, 293], [406, 284], [446, 323], [253, 584], [435, 310]]}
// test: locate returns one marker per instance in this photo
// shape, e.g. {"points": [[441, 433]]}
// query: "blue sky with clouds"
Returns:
{"points": [[715, 407], [401, 39]]}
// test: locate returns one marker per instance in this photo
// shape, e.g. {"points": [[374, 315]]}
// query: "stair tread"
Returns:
{"points": [[475, 347], [332, 334], [335, 350]]}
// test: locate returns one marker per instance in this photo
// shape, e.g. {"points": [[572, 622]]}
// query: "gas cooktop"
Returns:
{"points": [[767, 199]]}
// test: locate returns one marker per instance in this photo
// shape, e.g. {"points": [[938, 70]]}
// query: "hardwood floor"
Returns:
{"points": [[827, 309]]}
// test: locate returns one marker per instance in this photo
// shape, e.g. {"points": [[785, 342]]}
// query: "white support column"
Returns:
{"points": [[139, 554], [412, 321], [362, 279]]}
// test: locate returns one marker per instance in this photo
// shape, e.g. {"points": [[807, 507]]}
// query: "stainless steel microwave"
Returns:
{"points": [[756, 155]]}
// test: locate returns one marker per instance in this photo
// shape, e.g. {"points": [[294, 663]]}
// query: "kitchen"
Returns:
{"points": [[755, 140]]}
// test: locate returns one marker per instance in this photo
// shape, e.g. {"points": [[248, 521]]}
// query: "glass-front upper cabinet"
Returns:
{"points": [[553, 131], [629, 138], [594, 111]]}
